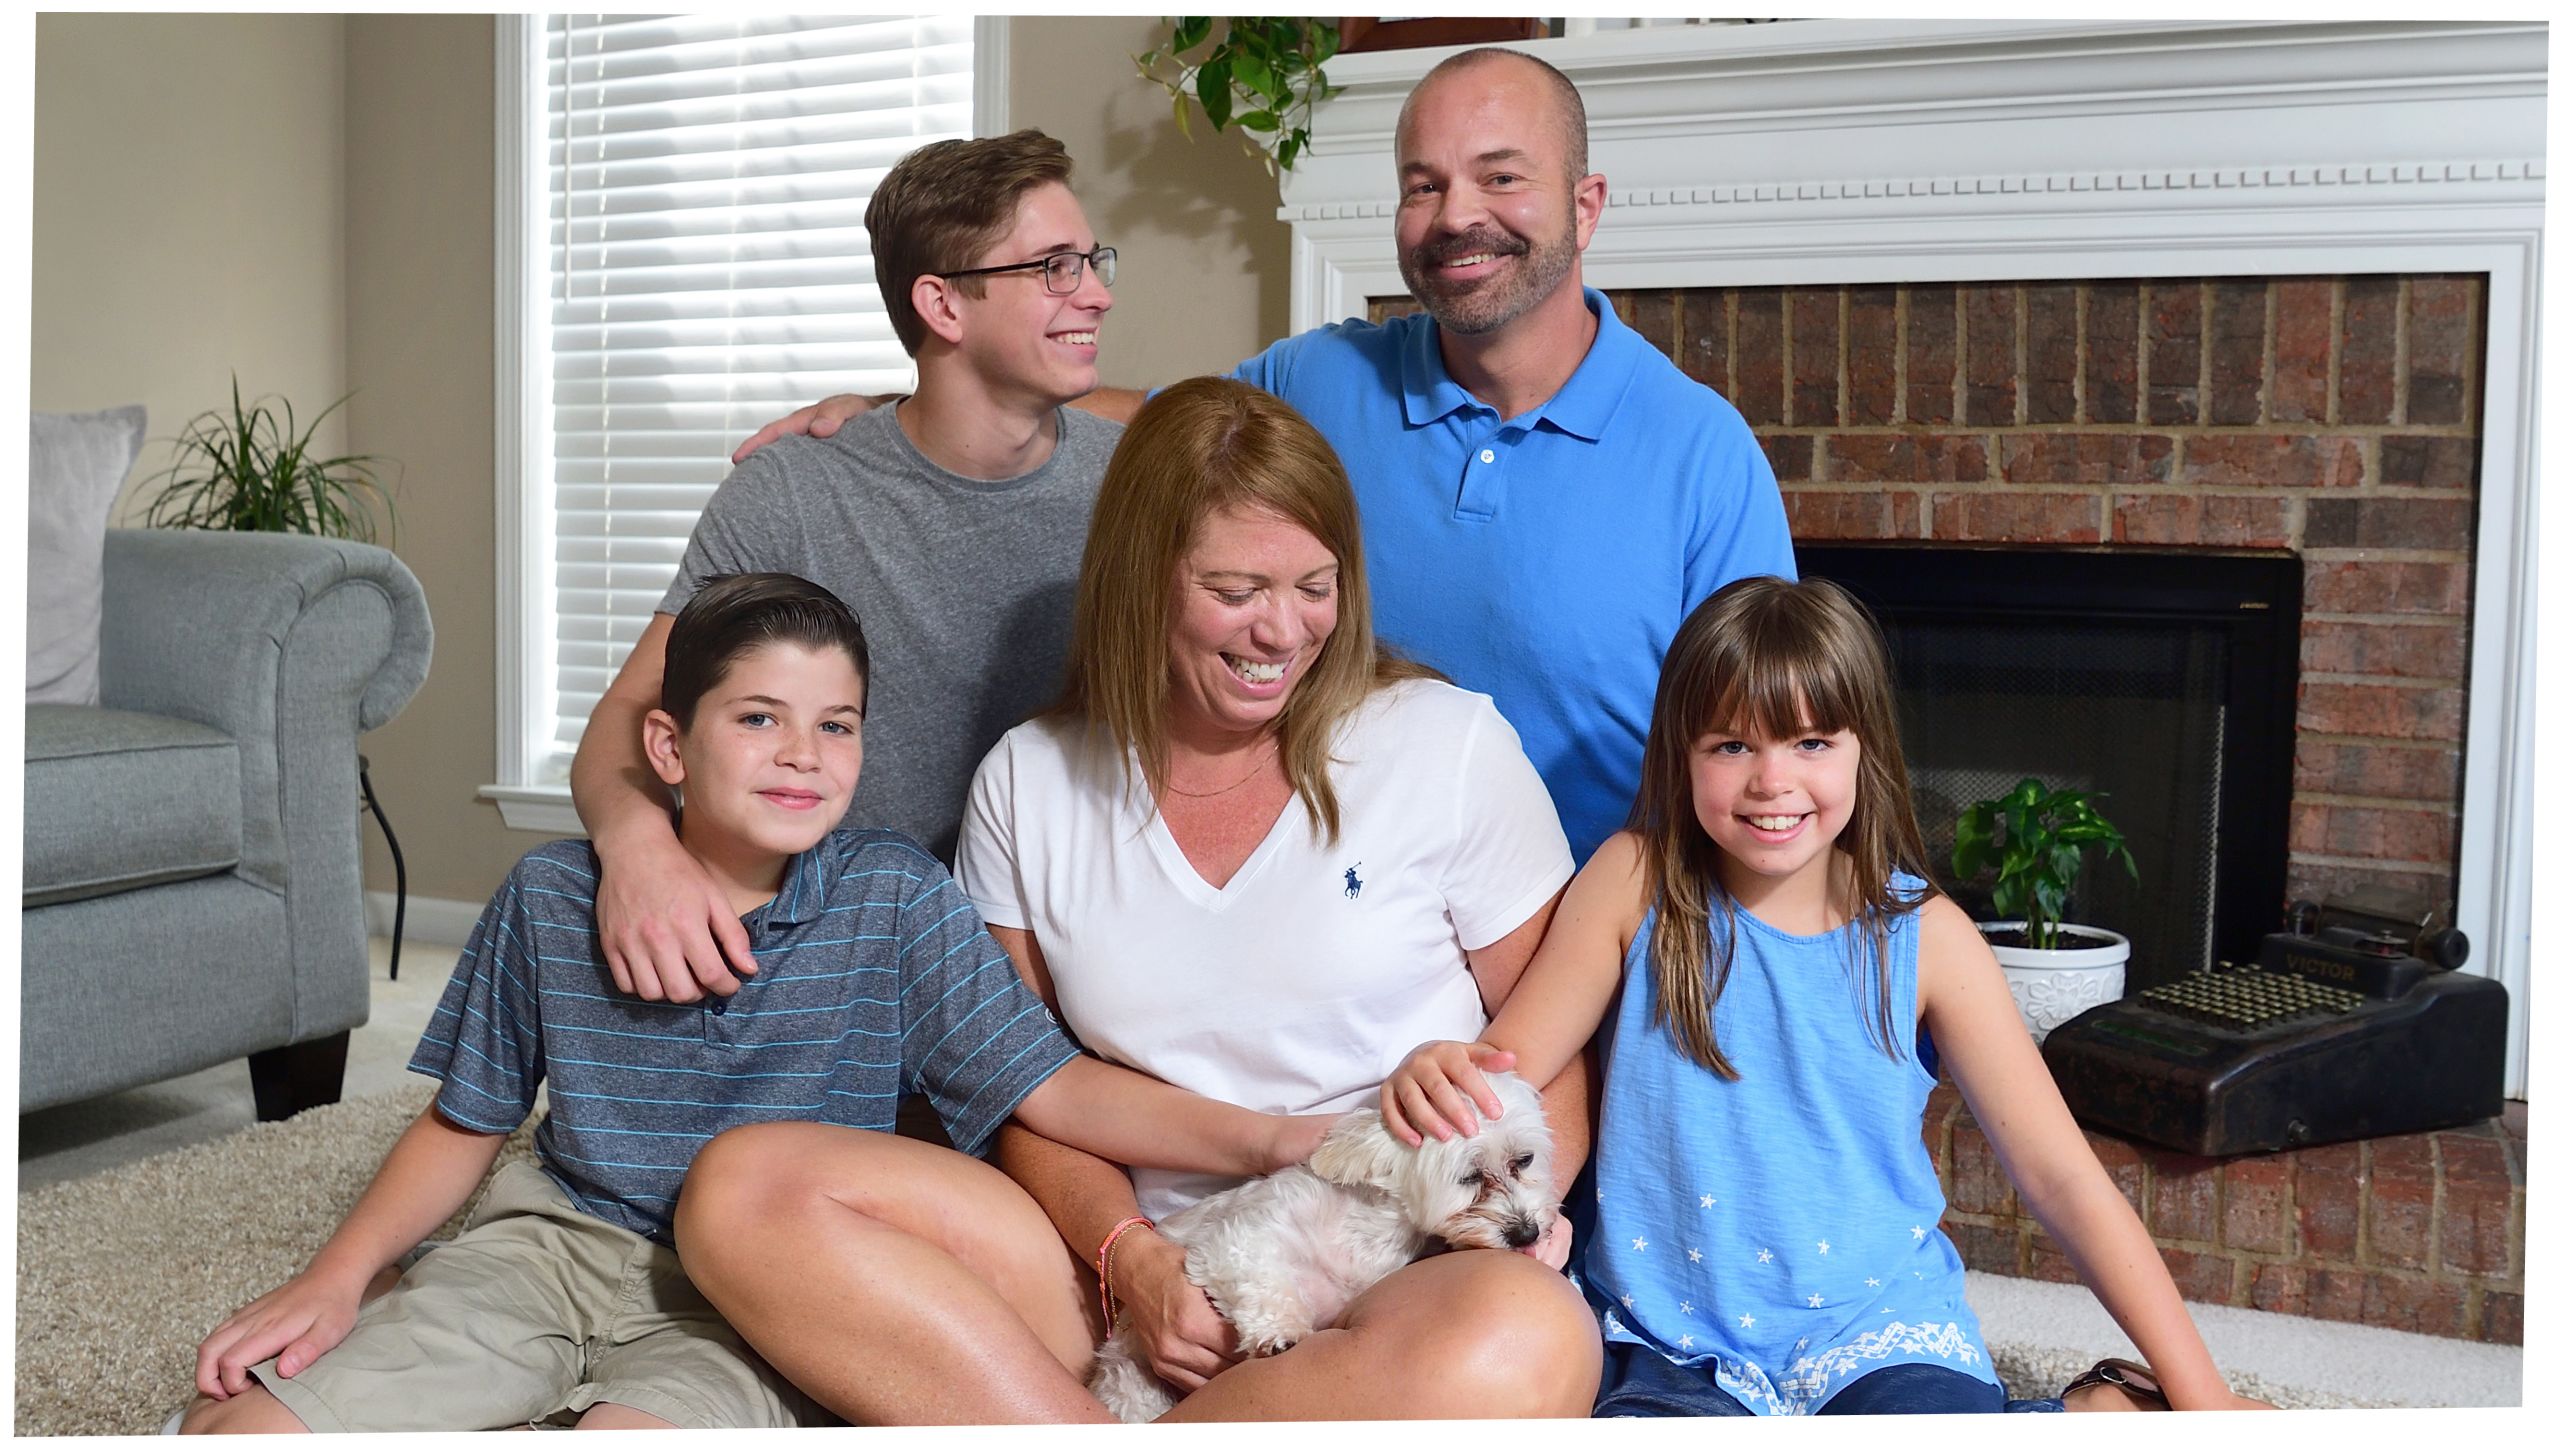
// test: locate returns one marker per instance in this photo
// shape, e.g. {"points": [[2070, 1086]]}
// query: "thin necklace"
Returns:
{"points": [[1223, 789]]}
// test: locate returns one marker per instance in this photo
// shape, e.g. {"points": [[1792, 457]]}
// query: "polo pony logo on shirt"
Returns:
{"points": [[1351, 882]]}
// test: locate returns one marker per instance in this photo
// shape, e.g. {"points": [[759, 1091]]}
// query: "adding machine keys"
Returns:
{"points": [[2353, 1023]]}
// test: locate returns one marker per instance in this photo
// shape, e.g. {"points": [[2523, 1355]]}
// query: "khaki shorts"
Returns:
{"points": [[537, 1312]]}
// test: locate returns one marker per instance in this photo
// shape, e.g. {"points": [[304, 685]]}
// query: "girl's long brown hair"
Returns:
{"points": [[1771, 658], [1201, 446]]}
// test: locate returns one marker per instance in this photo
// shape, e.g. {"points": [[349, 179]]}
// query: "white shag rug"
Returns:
{"points": [[121, 1274]]}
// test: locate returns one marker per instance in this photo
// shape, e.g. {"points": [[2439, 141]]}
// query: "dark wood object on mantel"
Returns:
{"points": [[1367, 32]]}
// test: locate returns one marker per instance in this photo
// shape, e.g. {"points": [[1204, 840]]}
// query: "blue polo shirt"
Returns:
{"points": [[1544, 560], [876, 979]]}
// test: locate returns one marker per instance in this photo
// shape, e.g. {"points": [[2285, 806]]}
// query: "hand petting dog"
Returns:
{"points": [[1440, 1088]]}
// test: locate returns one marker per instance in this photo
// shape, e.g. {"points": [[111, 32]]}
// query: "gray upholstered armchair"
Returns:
{"points": [[193, 873]]}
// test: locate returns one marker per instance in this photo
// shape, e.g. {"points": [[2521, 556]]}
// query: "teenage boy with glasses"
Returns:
{"points": [[952, 522]]}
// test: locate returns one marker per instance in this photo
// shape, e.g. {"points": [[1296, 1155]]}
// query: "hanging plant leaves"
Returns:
{"points": [[1262, 74]]}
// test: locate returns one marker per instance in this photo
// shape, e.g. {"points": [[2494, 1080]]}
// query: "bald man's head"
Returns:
{"points": [[1564, 103]]}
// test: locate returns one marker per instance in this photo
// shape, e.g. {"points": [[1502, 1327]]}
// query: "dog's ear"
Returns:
{"points": [[1359, 1151]]}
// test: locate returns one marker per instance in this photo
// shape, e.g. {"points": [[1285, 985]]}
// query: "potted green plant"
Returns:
{"points": [[1260, 73], [253, 470], [2040, 839]]}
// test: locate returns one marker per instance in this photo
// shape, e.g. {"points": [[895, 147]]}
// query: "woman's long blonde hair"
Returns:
{"points": [[1202, 446], [1765, 656]]}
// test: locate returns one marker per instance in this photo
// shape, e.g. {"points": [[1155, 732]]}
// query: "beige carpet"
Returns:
{"points": [[120, 1274]]}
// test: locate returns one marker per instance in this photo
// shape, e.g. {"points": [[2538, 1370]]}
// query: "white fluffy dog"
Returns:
{"points": [[1283, 1256]]}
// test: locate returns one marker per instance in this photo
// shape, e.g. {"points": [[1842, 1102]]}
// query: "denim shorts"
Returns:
{"points": [[1636, 1382]]}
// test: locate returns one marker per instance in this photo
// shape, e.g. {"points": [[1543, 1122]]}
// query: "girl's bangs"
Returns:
{"points": [[1778, 696]]}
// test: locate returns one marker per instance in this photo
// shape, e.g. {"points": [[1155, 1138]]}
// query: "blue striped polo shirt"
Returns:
{"points": [[875, 979]]}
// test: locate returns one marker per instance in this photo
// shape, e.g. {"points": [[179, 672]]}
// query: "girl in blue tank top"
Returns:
{"points": [[1774, 985]]}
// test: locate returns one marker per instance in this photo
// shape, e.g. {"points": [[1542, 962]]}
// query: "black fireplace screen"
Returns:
{"points": [[2162, 679]]}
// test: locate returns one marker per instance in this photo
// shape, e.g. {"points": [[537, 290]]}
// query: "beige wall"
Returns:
{"points": [[188, 215], [1204, 262], [421, 322], [370, 140]]}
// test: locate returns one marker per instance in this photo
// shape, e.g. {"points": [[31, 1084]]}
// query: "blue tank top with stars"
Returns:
{"points": [[1783, 1225]]}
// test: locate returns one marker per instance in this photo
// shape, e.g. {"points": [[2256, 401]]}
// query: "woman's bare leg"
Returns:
{"points": [[1467, 1335], [894, 1282], [251, 1412], [609, 1416]]}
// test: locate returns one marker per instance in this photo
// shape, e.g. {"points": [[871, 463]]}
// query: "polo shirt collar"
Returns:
{"points": [[1582, 408], [803, 895]]}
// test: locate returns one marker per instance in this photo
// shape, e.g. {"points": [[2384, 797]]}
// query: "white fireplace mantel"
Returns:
{"points": [[1877, 151]]}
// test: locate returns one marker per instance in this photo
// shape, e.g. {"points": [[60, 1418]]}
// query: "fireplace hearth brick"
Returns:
{"points": [[2368, 369], [2173, 353], [2298, 366], [2422, 1233], [2418, 649], [2335, 416], [2239, 351], [1990, 355], [2215, 521], [2398, 772]]}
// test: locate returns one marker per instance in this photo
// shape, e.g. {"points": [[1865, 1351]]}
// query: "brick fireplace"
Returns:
{"points": [[2167, 286], [2336, 417], [2126, 284]]}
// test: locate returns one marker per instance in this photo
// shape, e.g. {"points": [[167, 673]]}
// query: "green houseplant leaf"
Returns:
{"points": [[2037, 840], [251, 470], [1260, 73]]}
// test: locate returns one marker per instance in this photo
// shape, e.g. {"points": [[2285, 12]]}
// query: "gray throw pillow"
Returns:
{"points": [[75, 466]]}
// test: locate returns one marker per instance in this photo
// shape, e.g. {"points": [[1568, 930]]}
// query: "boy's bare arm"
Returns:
{"points": [[1137, 1120], [1113, 403], [666, 927], [429, 1173], [828, 416]]}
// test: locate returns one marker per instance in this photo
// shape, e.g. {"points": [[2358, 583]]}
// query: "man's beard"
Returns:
{"points": [[1481, 308]]}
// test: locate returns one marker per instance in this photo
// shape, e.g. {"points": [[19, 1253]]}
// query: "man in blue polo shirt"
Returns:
{"points": [[1545, 496]]}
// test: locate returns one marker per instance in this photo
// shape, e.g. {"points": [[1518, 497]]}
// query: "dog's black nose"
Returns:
{"points": [[1521, 1235]]}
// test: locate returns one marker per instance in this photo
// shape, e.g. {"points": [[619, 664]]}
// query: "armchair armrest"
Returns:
{"points": [[189, 614], [293, 646]]}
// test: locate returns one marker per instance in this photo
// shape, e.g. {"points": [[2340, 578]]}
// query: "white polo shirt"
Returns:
{"points": [[1301, 983]]}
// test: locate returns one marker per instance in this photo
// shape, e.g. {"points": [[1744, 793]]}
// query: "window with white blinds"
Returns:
{"points": [[702, 180]]}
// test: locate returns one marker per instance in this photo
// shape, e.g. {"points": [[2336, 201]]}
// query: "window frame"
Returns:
{"points": [[525, 553]]}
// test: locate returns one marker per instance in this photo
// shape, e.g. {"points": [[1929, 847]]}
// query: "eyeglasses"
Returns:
{"points": [[1062, 272]]}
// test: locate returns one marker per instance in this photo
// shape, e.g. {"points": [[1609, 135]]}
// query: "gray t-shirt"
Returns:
{"points": [[966, 590]]}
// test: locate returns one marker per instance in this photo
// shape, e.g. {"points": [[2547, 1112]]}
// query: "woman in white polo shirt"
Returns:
{"points": [[1252, 855]]}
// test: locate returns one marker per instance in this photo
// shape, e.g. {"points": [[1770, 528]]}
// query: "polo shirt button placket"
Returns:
{"points": [[1480, 487]]}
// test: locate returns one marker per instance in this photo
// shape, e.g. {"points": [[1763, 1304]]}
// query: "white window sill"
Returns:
{"points": [[535, 807]]}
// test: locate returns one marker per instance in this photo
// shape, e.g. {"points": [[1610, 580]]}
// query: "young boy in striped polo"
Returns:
{"points": [[563, 1299]]}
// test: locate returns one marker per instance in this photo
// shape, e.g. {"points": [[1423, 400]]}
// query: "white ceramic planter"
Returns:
{"points": [[2051, 986]]}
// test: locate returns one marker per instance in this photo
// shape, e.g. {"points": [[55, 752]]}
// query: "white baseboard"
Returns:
{"points": [[430, 921]]}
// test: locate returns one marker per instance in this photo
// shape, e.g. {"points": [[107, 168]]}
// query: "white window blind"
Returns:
{"points": [[708, 271]]}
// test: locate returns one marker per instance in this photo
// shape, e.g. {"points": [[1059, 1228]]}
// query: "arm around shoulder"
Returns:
{"points": [[666, 928], [1112, 403]]}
